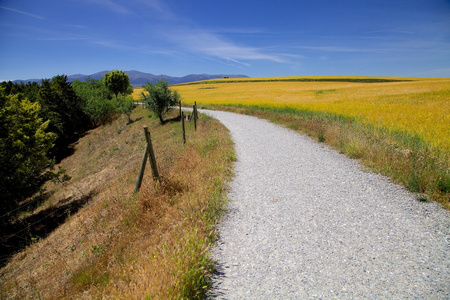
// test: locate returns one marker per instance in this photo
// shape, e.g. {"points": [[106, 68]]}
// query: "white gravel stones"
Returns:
{"points": [[305, 222]]}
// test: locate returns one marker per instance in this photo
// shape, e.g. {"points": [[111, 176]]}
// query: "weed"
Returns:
{"points": [[98, 250], [321, 136], [90, 276], [231, 156], [105, 204], [208, 144], [422, 198]]}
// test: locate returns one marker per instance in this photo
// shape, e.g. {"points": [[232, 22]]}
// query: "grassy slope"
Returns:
{"points": [[153, 245], [398, 128]]}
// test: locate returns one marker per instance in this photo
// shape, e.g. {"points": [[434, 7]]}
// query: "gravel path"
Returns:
{"points": [[306, 222]]}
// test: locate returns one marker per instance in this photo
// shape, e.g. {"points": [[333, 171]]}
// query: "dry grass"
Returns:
{"points": [[399, 128], [151, 246]]}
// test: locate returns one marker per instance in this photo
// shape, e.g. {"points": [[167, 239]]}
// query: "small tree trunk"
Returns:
{"points": [[161, 119]]}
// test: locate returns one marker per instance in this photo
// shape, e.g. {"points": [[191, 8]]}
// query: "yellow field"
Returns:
{"points": [[137, 93], [419, 106]]}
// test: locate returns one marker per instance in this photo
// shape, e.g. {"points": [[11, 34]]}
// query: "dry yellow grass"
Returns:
{"points": [[419, 107], [121, 247]]}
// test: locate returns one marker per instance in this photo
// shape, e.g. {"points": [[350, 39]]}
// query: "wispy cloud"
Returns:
{"points": [[344, 49], [62, 39], [180, 33], [156, 6], [229, 63], [213, 45], [391, 31], [23, 13], [113, 6], [237, 30], [113, 44], [135, 7], [76, 26]]}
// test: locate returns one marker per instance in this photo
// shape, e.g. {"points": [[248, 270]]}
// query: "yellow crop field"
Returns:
{"points": [[137, 93], [415, 105]]}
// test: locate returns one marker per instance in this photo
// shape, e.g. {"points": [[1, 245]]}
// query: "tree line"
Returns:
{"points": [[39, 122]]}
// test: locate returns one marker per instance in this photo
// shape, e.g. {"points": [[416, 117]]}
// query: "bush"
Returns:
{"points": [[159, 98], [23, 150], [125, 105], [97, 101]]}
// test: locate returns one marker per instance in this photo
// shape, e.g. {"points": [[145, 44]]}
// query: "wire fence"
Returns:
{"points": [[149, 153], [23, 231]]}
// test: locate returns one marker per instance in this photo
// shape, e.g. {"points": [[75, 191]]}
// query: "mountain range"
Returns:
{"points": [[140, 78]]}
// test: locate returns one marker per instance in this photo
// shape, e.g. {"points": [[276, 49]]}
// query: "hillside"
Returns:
{"points": [[140, 78], [111, 244]]}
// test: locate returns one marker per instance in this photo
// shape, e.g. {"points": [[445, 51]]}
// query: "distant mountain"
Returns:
{"points": [[139, 78]]}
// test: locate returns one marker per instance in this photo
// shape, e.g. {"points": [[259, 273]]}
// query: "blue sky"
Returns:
{"points": [[40, 39]]}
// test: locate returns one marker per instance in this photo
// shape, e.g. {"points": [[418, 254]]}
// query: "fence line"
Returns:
{"points": [[20, 207], [148, 154], [28, 226], [195, 117]]}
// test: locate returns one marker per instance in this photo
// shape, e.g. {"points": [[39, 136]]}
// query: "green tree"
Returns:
{"points": [[64, 108], [125, 105], [98, 104], [10, 88], [24, 143], [159, 98], [29, 90], [117, 82]]}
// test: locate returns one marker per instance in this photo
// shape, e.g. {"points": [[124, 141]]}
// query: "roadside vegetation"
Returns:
{"points": [[40, 122], [71, 225], [151, 246], [399, 127], [159, 98]]}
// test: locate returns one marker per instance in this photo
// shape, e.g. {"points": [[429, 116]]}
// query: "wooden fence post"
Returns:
{"points": [[150, 155], [180, 111], [194, 113], [141, 172], [182, 127]]}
